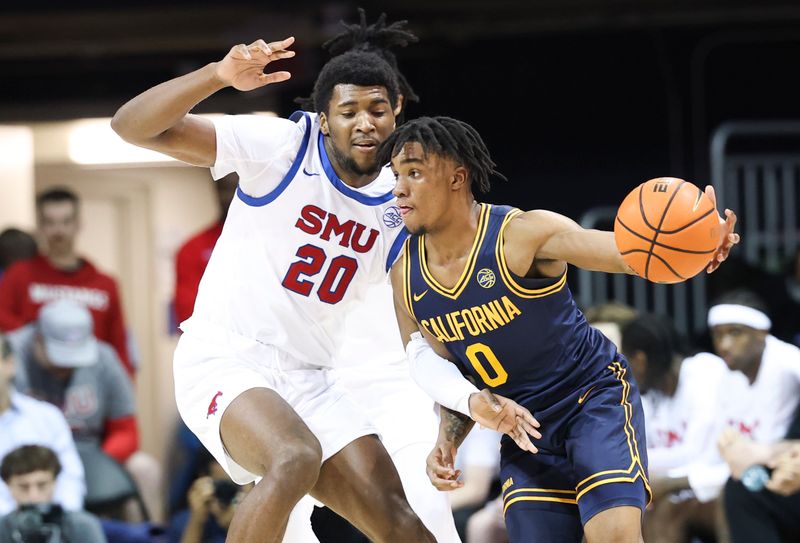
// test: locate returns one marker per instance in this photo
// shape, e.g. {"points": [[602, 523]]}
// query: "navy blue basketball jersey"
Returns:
{"points": [[522, 338]]}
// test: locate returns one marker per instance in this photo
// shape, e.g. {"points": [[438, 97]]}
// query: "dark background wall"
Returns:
{"points": [[579, 100]]}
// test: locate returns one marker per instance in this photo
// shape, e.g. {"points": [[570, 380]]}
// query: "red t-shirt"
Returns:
{"points": [[190, 263], [29, 284]]}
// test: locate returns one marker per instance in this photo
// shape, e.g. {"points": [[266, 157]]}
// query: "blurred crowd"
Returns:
{"points": [[723, 425]]}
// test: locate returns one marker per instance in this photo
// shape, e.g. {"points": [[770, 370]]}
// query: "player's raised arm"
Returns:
{"points": [[430, 367], [159, 118], [548, 240]]}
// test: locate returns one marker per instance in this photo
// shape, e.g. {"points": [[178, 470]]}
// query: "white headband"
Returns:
{"points": [[738, 314]]}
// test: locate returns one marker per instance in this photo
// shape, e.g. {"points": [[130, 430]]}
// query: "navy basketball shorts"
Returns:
{"points": [[592, 457]]}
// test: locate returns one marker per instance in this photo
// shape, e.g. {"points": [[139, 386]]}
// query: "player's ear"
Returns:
{"points": [[399, 107], [323, 124], [459, 178]]}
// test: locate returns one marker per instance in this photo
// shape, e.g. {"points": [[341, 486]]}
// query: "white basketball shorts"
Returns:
{"points": [[212, 370]]}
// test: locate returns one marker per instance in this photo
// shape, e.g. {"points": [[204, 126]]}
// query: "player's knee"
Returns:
{"points": [[296, 466]]}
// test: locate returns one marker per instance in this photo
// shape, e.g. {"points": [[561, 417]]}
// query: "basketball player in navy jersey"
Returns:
{"points": [[485, 285]]}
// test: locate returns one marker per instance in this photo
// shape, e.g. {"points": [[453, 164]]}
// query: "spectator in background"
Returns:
{"points": [[679, 399], [25, 421], [478, 460], [30, 473], [62, 363], [192, 257], [757, 398], [212, 500], [610, 318], [60, 273], [770, 515], [15, 245]]}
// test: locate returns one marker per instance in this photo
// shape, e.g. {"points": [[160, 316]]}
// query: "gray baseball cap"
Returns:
{"points": [[67, 329]]}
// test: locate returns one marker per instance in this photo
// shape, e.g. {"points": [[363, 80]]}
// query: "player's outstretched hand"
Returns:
{"points": [[243, 66], [728, 239], [440, 467], [506, 416]]}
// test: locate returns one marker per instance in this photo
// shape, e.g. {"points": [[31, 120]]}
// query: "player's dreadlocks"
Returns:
{"points": [[446, 137], [377, 39]]}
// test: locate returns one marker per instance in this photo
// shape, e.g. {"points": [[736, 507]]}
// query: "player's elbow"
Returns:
{"points": [[125, 126]]}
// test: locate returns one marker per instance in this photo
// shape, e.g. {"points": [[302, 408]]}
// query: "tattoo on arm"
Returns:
{"points": [[455, 426]]}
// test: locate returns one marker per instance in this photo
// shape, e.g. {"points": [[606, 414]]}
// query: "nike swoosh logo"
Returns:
{"points": [[585, 394], [308, 173], [418, 297]]}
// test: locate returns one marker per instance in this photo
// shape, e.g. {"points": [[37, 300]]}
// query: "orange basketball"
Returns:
{"points": [[667, 230]]}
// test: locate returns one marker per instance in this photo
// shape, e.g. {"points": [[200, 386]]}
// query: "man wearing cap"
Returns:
{"points": [[63, 363], [25, 421]]}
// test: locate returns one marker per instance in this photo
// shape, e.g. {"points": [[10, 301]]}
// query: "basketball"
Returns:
{"points": [[667, 230]]}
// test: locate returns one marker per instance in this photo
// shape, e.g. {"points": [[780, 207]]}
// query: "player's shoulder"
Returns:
{"points": [[265, 128], [781, 352]]}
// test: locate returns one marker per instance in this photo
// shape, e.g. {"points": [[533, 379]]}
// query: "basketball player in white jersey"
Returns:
{"points": [[372, 367], [312, 227]]}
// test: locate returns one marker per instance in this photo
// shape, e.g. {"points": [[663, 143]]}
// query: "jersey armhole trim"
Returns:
{"points": [[271, 196], [394, 250], [508, 276], [407, 277]]}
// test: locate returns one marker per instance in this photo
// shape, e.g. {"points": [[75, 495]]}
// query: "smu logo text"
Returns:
{"points": [[316, 221]]}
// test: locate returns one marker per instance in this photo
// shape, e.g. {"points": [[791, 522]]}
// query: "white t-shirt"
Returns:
{"points": [[680, 429], [762, 410], [299, 248]]}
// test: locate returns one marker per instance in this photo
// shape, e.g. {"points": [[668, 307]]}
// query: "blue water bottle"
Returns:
{"points": [[755, 478]]}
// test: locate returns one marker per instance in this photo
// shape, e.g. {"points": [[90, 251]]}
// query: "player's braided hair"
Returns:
{"points": [[446, 137], [378, 39], [655, 336]]}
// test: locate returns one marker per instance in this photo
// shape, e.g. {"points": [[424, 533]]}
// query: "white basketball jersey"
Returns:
{"points": [[290, 264], [682, 428]]}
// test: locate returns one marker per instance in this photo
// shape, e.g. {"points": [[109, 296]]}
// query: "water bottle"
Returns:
{"points": [[755, 478]]}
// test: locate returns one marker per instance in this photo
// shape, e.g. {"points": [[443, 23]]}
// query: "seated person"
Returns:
{"points": [[25, 421], [61, 362], [212, 500], [766, 510], [30, 473], [679, 399]]}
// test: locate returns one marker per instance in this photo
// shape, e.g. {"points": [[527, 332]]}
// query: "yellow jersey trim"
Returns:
{"points": [[551, 490], [633, 447], [508, 277], [454, 292], [538, 499], [407, 277]]}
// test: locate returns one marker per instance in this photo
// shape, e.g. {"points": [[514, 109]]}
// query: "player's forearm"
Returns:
{"points": [[593, 250], [160, 108], [454, 426]]}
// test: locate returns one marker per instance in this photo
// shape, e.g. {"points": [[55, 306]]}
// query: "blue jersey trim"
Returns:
{"points": [[341, 186], [269, 197], [397, 245]]}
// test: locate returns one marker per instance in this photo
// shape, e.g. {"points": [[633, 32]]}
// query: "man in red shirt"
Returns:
{"points": [[192, 258], [58, 273]]}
